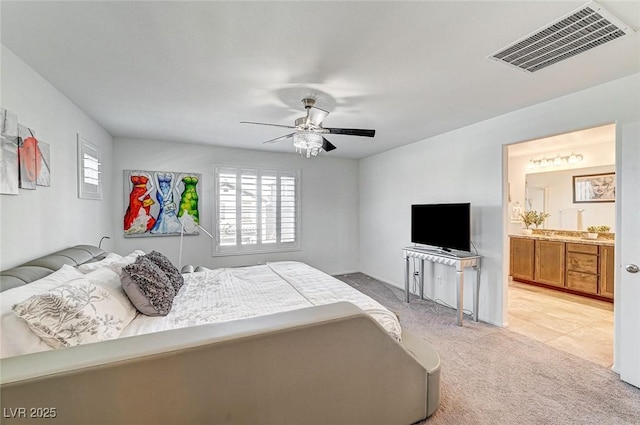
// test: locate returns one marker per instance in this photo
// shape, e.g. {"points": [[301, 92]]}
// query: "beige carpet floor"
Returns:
{"points": [[493, 376]]}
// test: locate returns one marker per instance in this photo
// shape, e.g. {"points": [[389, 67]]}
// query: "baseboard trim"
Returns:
{"points": [[386, 282], [383, 280], [340, 273]]}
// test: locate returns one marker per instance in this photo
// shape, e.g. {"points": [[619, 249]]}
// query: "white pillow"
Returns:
{"points": [[118, 265], [89, 309], [111, 258], [15, 336]]}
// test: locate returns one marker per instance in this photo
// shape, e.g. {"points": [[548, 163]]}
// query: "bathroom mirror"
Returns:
{"points": [[552, 192]]}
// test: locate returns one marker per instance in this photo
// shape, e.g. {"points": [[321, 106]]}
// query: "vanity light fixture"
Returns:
{"points": [[573, 158], [558, 160]]}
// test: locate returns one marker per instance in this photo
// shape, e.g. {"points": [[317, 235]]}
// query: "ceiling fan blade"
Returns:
{"points": [[278, 139], [352, 132], [326, 145], [262, 123], [317, 115]]}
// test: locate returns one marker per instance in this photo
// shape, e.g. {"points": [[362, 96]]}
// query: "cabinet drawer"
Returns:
{"points": [[582, 282], [581, 247], [585, 263]]}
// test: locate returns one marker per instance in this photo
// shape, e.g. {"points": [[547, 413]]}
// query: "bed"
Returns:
{"points": [[272, 344]]}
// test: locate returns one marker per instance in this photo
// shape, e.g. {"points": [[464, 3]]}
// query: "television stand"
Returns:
{"points": [[437, 251], [459, 260]]}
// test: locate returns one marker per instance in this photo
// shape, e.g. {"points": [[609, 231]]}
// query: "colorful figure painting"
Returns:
{"points": [[138, 217], [167, 220], [189, 198], [160, 203], [8, 152]]}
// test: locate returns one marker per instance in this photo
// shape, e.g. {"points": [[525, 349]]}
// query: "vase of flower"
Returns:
{"points": [[593, 231], [532, 217], [540, 218]]}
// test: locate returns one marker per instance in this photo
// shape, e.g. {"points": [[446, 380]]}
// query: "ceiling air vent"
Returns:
{"points": [[577, 32]]}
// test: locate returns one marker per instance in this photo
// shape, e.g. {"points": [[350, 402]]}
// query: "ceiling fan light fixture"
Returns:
{"points": [[307, 143], [308, 135]]}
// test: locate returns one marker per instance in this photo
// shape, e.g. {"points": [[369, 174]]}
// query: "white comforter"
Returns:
{"points": [[227, 294]]}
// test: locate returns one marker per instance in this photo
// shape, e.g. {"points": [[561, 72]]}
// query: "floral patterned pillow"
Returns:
{"points": [[16, 338], [168, 268], [79, 312]]}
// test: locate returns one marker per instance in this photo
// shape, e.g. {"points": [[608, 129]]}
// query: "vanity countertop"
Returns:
{"points": [[564, 238]]}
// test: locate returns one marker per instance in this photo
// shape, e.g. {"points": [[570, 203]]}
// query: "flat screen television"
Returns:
{"points": [[444, 226]]}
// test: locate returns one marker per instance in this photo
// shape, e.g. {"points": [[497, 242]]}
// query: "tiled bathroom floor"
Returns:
{"points": [[571, 323]]}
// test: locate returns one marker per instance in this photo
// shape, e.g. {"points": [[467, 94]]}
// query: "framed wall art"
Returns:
{"points": [[9, 174], [160, 203], [594, 188], [25, 160]]}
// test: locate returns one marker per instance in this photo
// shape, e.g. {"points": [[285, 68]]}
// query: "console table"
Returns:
{"points": [[459, 261]]}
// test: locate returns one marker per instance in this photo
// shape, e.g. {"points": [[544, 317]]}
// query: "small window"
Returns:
{"points": [[89, 170], [256, 210]]}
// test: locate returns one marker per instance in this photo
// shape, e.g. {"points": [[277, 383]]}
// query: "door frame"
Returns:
{"points": [[505, 232]]}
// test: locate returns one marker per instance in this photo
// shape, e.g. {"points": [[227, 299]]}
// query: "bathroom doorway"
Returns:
{"points": [[541, 175]]}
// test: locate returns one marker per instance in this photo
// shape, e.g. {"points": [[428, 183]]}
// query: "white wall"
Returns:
{"points": [[466, 165], [38, 222], [329, 195]]}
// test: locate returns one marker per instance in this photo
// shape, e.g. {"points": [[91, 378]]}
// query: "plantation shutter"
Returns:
{"points": [[256, 209], [288, 209]]}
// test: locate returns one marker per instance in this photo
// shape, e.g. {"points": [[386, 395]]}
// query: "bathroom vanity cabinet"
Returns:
{"points": [[570, 264]]}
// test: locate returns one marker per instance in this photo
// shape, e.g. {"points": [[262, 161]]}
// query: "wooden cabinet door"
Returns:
{"points": [[607, 266], [521, 258], [549, 262]]}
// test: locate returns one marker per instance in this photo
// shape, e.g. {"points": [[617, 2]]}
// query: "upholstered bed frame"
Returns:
{"points": [[41, 267], [330, 364]]}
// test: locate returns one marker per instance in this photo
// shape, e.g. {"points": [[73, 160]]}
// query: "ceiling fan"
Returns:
{"points": [[308, 137]]}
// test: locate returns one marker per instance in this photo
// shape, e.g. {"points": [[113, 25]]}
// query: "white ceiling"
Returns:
{"points": [[191, 71]]}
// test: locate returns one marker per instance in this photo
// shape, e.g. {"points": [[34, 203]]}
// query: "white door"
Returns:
{"points": [[628, 243]]}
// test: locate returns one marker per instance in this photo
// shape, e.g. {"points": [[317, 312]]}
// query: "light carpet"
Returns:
{"points": [[491, 375]]}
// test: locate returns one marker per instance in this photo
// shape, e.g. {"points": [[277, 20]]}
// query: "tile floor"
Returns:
{"points": [[571, 323]]}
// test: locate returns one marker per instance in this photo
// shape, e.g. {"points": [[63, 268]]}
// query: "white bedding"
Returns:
{"points": [[227, 294]]}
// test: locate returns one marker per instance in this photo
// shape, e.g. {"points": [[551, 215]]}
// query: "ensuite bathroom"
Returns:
{"points": [[562, 224]]}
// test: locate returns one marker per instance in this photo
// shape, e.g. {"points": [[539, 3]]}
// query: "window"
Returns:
{"points": [[256, 209], [89, 174]]}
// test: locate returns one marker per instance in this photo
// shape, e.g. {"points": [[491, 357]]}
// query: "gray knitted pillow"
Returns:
{"points": [[148, 288], [169, 269]]}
